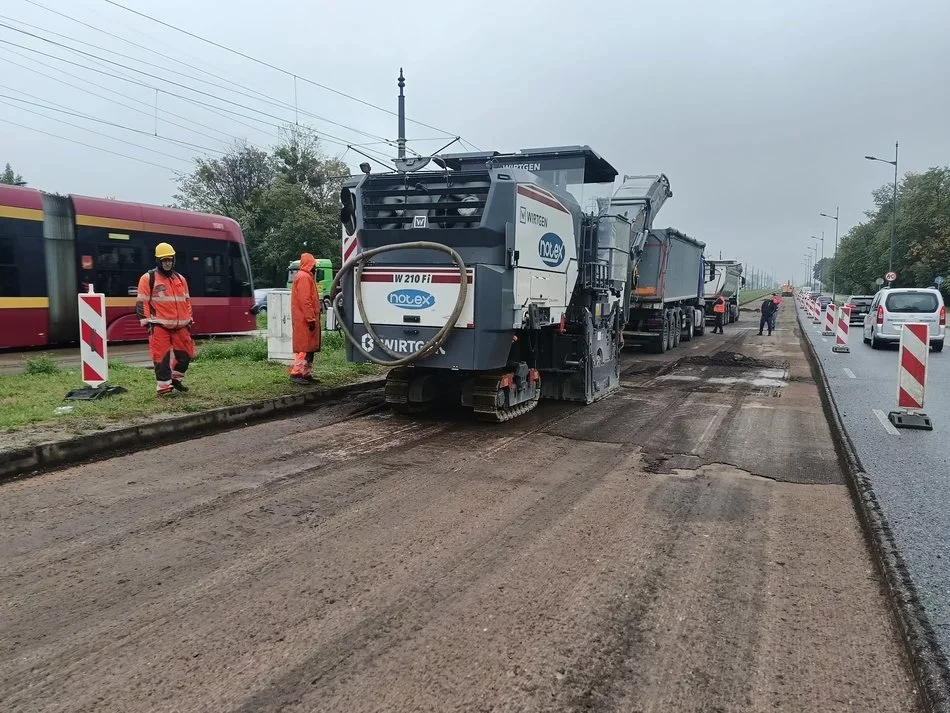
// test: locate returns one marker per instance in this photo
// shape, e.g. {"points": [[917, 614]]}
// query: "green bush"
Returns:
{"points": [[42, 365]]}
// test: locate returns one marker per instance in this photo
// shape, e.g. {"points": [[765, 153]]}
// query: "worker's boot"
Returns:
{"points": [[176, 383]]}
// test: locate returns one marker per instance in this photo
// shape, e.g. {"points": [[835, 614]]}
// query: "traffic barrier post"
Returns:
{"points": [[829, 320], [93, 348], [841, 335], [815, 313], [912, 378]]}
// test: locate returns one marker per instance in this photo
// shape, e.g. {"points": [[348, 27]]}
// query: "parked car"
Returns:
{"points": [[892, 307], [260, 300], [860, 305]]}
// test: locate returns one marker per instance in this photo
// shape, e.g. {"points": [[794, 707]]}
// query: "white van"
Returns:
{"points": [[894, 306]]}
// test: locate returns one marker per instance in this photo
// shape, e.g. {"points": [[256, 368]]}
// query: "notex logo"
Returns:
{"points": [[551, 249], [411, 299]]}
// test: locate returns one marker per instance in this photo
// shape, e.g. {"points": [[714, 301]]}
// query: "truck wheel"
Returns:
{"points": [[688, 332], [676, 328], [663, 343]]}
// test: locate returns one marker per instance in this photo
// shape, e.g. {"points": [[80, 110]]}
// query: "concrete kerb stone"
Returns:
{"points": [[33, 460], [929, 665]]}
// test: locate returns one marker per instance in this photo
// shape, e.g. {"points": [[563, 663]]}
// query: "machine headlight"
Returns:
{"points": [[468, 211]]}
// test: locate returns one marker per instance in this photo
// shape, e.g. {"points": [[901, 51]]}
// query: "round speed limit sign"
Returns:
{"points": [[891, 276]]}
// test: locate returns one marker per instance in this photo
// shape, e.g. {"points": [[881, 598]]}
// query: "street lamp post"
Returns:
{"points": [[812, 260], [822, 241], [890, 265], [834, 260]]}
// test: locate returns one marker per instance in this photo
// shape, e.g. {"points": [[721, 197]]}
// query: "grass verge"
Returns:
{"points": [[746, 295], [222, 374]]}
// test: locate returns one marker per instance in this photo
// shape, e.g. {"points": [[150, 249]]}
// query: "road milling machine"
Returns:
{"points": [[481, 278]]}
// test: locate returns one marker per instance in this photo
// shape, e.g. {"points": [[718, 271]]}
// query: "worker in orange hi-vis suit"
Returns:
{"points": [[305, 319], [163, 306]]}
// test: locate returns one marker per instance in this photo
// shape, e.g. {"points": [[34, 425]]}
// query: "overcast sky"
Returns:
{"points": [[759, 112]]}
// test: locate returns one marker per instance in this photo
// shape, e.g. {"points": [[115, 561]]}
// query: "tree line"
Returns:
{"points": [[921, 238], [286, 199]]}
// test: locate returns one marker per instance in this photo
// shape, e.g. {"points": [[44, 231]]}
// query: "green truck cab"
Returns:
{"points": [[323, 274]]}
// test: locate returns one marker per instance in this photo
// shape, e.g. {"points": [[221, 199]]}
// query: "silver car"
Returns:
{"points": [[892, 307]]}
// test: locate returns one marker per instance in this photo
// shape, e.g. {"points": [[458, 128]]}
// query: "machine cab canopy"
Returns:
{"points": [[579, 170]]}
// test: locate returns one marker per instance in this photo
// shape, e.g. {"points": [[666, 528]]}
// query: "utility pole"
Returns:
{"points": [[401, 141]]}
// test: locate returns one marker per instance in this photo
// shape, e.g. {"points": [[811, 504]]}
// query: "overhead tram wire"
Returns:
{"points": [[149, 112], [278, 69], [244, 91], [53, 107], [92, 131], [330, 138], [91, 146], [197, 68]]}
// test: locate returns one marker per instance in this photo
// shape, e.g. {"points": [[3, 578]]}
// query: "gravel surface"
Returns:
{"points": [[670, 548], [909, 469]]}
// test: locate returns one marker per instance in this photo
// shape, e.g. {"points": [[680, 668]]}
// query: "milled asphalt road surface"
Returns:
{"points": [[686, 544], [909, 469]]}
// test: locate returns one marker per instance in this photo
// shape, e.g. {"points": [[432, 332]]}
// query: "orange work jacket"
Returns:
{"points": [[166, 302], [720, 306]]}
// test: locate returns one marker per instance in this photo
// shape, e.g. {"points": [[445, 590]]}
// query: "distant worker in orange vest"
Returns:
{"points": [[163, 306], [305, 317], [719, 309]]}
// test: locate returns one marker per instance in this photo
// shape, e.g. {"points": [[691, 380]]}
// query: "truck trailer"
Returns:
{"points": [[724, 278], [482, 280], [666, 304]]}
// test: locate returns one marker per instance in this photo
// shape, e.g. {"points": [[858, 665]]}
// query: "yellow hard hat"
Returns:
{"points": [[163, 250]]}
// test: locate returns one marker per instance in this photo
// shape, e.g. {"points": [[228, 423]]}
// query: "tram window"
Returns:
{"points": [[9, 281], [240, 276], [9, 274], [117, 269], [210, 278]]}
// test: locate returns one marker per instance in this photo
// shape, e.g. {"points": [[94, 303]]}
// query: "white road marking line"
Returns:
{"points": [[847, 371], [888, 426], [824, 339]]}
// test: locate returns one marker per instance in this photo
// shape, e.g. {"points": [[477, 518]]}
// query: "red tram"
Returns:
{"points": [[52, 247]]}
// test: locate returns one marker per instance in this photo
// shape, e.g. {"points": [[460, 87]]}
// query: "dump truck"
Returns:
{"points": [[666, 301], [724, 278]]}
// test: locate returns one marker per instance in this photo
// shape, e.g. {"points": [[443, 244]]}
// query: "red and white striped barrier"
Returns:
{"points": [[829, 320], [841, 335], [92, 338], [815, 312], [912, 378]]}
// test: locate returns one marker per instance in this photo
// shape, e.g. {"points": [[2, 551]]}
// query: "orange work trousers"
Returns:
{"points": [[171, 351]]}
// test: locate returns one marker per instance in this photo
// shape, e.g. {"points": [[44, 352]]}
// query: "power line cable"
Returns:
{"points": [[91, 131], [330, 138], [53, 107], [274, 67], [91, 146], [248, 92], [150, 112]]}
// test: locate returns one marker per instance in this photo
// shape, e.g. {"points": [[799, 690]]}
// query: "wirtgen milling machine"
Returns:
{"points": [[481, 278]]}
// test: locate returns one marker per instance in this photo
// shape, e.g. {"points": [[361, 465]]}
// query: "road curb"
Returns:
{"points": [[34, 460], [928, 663]]}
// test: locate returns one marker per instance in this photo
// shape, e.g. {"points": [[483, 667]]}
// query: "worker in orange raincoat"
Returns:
{"points": [[719, 309], [305, 316], [163, 306]]}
